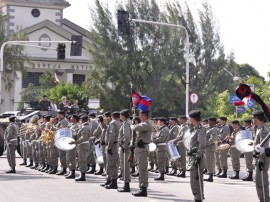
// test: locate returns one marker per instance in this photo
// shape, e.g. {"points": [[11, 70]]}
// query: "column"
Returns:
{"points": [[17, 90], [69, 78]]}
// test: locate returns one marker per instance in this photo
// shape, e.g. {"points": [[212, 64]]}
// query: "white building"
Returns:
{"points": [[42, 20]]}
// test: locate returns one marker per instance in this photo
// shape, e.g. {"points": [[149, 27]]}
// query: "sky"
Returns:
{"points": [[244, 27]]}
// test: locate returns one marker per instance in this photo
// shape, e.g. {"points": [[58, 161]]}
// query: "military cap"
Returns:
{"points": [[116, 113], [124, 111], [48, 117], [75, 116], [12, 118], [92, 114], [163, 119], [144, 111], [212, 119], [108, 114], [84, 117], [173, 118], [195, 114], [258, 113], [223, 118], [247, 120], [155, 118], [182, 117], [235, 122], [61, 112], [205, 120]]}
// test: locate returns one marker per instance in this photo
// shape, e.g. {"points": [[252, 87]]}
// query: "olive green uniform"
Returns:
{"points": [[10, 136], [91, 160], [235, 153], [62, 154], [249, 155], [210, 148], [71, 154], [224, 131], [173, 132]]}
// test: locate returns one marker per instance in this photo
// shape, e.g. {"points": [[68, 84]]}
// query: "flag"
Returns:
{"points": [[135, 97], [144, 103], [56, 78]]}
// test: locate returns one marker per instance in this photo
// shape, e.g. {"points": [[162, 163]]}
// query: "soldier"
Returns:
{"points": [[124, 142], [47, 127], [210, 148], [217, 153], [141, 151], [29, 147], [161, 152], [172, 135], [62, 123], [224, 132], [11, 134], [180, 145], [152, 154], [97, 134], [111, 141], [41, 146], [249, 155], [234, 153], [34, 142], [82, 146], [91, 160], [71, 154], [262, 162], [196, 155]]}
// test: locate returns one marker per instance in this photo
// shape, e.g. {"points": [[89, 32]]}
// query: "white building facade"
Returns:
{"points": [[42, 20]]}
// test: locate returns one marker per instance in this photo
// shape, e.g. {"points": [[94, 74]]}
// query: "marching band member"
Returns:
{"points": [[29, 146], [262, 163], [152, 154], [144, 130], [124, 142], [41, 146], [91, 160], [46, 129], [249, 155], [71, 154], [174, 129], [63, 123], [111, 141], [196, 155], [82, 146], [10, 137], [161, 152], [235, 153], [210, 148], [224, 132], [34, 143]]}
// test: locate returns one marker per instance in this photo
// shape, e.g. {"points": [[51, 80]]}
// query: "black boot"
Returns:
{"points": [[173, 172], [99, 172], [49, 169], [24, 162], [91, 170], [136, 174], [104, 174], [71, 175], [30, 164], [248, 177], [150, 168], [53, 171], [41, 167], [12, 170], [67, 174], [210, 178], [160, 177], [62, 172], [218, 172], [125, 188], [132, 170], [45, 168], [196, 200], [235, 176], [34, 166], [182, 174], [205, 171], [224, 174], [113, 185], [142, 192], [81, 177], [106, 183]]}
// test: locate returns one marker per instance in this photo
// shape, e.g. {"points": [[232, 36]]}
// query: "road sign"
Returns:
{"points": [[234, 98], [251, 103], [194, 98], [241, 109], [93, 103]]}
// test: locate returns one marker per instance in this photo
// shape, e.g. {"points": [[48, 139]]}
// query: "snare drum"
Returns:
{"points": [[99, 155], [243, 141], [186, 139], [152, 147], [174, 154], [62, 139], [223, 145]]}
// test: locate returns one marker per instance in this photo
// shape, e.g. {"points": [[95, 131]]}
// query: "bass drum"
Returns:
{"points": [[186, 139], [243, 141], [62, 138]]}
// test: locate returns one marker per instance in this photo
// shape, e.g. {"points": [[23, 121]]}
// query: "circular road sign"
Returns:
{"points": [[194, 98]]}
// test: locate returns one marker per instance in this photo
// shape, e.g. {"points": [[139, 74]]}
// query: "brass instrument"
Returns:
{"points": [[25, 128], [154, 125]]}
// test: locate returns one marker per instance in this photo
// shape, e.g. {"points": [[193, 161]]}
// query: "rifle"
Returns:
{"points": [[132, 148]]}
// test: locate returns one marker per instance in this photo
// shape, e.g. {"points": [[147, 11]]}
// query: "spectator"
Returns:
{"points": [[75, 107], [44, 103], [54, 106], [63, 103]]}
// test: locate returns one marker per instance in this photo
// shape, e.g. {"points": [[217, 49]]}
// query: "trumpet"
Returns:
{"points": [[24, 128]]}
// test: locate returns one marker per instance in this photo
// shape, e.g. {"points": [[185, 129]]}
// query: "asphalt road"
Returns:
{"points": [[29, 185]]}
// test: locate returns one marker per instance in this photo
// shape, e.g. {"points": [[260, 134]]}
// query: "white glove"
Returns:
{"points": [[259, 149]]}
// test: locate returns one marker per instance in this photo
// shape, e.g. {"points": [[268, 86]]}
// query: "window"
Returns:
{"points": [[78, 78], [31, 77]]}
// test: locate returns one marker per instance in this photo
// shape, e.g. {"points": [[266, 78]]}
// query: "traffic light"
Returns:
{"points": [[76, 46], [61, 51], [123, 22]]}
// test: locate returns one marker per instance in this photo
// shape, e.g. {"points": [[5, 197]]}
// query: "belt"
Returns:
{"points": [[161, 144], [84, 142], [12, 140]]}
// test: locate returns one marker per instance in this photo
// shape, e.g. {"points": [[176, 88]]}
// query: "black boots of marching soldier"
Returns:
{"points": [[12, 170], [160, 177], [248, 177], [125, 188], [181, 174], [30, 164], [210, 178], [24, 163], [218, 172], [91, 170], [62, 172], [80, 178], [142, 192], [106, 183], [173, 172], [112, 185], [235, 176], [71, 175], [224, 174], [100, 172]]}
